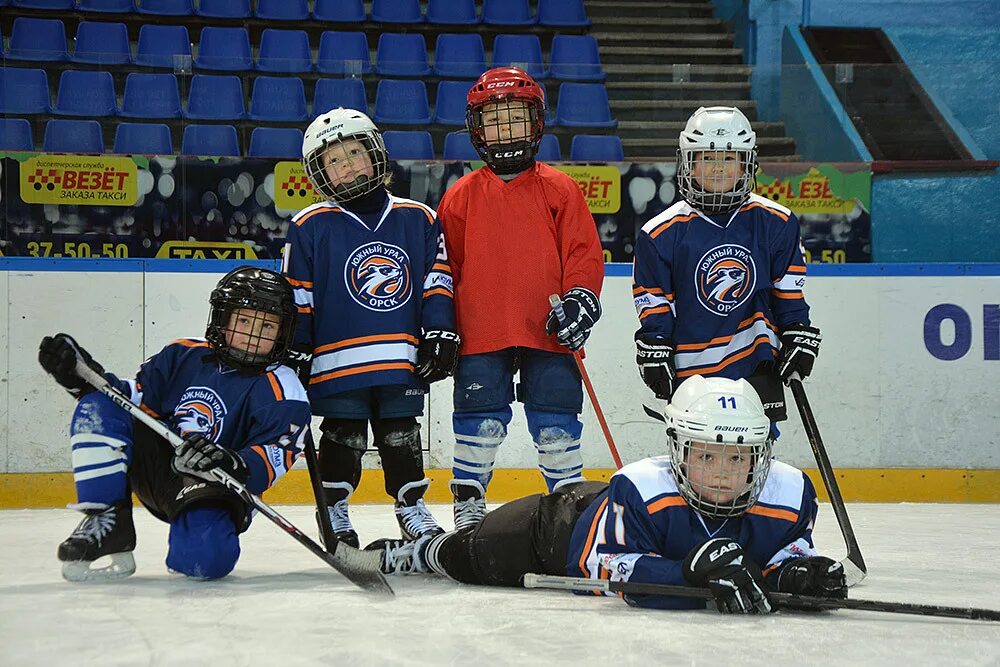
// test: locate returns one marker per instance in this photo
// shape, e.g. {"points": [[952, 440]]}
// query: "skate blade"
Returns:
{"points": [[122, 565]]}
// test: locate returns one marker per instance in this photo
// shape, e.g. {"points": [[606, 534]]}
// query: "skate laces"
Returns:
{"points": [[339, 520], [416, 519], [469, 512], [398, 558], [95, 527]]}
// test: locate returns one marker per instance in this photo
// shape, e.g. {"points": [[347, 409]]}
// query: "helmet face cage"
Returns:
{"points": [[343, 156], [251, 323], [719, 479], [714, 190]]}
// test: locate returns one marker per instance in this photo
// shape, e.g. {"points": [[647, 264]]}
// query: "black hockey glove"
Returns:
{"points": [[581, 310], [816, 575], [58, 354], [656, 366], [799, 349], [437, 355], [299, 359], [199, 456], [736, 584]]}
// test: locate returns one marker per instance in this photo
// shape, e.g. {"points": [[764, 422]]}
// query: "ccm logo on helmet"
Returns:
{"points": [[499, 154], [501, 84]]}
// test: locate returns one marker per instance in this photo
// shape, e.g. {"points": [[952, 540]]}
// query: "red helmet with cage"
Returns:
{"points": [[506, 117]]}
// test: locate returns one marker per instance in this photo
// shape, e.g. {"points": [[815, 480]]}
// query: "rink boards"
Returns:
{"points": [[906, 389]]}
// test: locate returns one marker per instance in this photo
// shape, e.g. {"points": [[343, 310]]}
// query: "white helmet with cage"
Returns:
{"points": [[347, 143], [703, 177], [720, 445]]}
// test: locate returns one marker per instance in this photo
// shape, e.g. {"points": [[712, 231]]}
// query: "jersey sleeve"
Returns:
{"points": [[632, 543], [297, 267], [153, 378], [438, 310], [279, 431], [798, 542], [579, 244], [788, 275], [453, 229], [652, 289]]}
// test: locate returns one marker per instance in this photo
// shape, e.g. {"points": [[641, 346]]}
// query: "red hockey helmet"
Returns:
{"points": [[506, 117]]}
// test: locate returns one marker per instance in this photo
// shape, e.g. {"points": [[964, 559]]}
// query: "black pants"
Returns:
{"points": [[527, 535]]}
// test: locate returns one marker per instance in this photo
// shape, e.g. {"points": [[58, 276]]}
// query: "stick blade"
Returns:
{"points": [[852, 573], [361, 568]]}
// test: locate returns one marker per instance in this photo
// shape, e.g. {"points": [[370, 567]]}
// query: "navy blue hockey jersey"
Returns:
{"points": [[264, 417], [721, 287], [365, 295], [641, 529]]}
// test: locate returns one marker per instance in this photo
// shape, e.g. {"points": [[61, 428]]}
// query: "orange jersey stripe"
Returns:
{"points": [[664, 503], [439, 290], [259, 451], [305, 310], [440, 266], [787, 295], [640, 289], [298, 283], [430, 218], [325, 209], [370, 368], [796, 269], [276, 386], [361, 340], [758, 341], [190, 343], [653, 311], [591, 534], [289, 459], [725, 339], [784, 515], [669, 223], [766, 208], [148, 410]]}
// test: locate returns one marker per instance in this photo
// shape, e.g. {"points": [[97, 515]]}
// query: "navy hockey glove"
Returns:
{"points": [[437, 355], [736, 584], [199, 456], [816, 575], [58, 354], [299, 359], [799, 349], [656, 366], [581, 310]]}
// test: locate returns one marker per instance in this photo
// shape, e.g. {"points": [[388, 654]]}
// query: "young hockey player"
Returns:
{"points": [[719, 275], [517, 231], [237, 408], [717, 512], [376, 314]]}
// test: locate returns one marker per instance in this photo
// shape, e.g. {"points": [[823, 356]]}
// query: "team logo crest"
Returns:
{"points": [[725, 278], [200, 410], [378, 276]]}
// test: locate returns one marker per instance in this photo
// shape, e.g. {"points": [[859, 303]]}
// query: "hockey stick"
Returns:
{"points": [[359, 567], [312, 464], [854, 565], [783, 600], [556, 303]]}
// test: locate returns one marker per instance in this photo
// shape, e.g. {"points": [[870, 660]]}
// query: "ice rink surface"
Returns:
{"points": [[283, 607]]}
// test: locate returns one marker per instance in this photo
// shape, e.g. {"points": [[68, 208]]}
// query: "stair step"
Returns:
{"points": [[651, 39], [671, 144], [675, 110], [671, 55], [666, 128], [660, 72], [642, 10], [655, 23], [659, 90]]}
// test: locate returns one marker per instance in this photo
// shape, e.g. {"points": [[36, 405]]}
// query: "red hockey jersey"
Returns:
{"points": [[511, 245]]}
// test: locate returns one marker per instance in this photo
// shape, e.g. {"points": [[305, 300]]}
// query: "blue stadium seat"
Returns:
{"points": [[276, 142], [524, 51], [333, 93], [215, 98], [562, 13], [284, 51], [452, 12], [596, 148], [166, 7], [90, 94], [403, 145], [459, 55], [278, 98], [224, 9], [151, 96], [44, 4], [102, 44], [401, 102], [162, 45], [339, 11], [226, 49], [343, 53], [37, 39], [143, 139], [106, 6], [213, 140], [402, 55], [584, 105], [73, 136], [507, 12], [449, 108], [15, 135], [458, 146], [548, 149], [576, 58], [396, 11], [24, 91], [282, 10]]}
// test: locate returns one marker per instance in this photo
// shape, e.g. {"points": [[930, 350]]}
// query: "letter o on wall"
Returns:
{"points": [[932, 332]]}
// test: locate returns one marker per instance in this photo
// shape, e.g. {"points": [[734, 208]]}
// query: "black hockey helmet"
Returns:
{"points": [[242, 341]]}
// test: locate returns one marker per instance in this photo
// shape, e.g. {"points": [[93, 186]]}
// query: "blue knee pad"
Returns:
{"points": [[550, 382], [203, 543], [101, 438], [557, 439], [477, 438]]}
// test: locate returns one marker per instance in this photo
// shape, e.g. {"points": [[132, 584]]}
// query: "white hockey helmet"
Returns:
{"points": [[327, 135], [720, 444], [711, 129]]}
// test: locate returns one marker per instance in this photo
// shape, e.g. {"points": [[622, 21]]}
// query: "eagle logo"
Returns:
{"points": [[200, 410], [378, 276], [725, 278]]}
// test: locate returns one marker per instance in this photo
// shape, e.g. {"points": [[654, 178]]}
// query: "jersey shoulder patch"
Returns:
{"points": [[313, 210], [784, 487], [285, 384], [679, 212], [402, 202], [773, 207], [651, 477]]}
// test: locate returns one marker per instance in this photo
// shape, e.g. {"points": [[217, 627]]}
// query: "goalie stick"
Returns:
{"points": [[783, 600], [359, 567]]}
